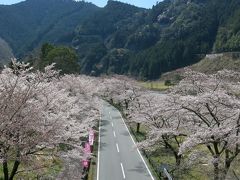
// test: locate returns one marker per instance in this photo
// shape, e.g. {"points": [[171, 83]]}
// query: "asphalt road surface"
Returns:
{"points": [[117, 157]]}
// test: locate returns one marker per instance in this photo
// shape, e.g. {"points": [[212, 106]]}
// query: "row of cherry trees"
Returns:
{"points": [[42, 109], [197, 120], [39, 110]]}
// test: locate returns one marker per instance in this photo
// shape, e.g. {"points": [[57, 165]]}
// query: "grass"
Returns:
{"points": [[162, 156], [142, 131], [47, 167], [196, 172], [155, 85]]}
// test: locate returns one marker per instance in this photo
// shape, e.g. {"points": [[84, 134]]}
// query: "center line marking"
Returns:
{"points": [[117, 148], [112, 124], [124, 177], [114, 133]]}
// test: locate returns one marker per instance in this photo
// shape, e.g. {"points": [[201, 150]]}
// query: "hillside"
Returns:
{"points": [[101, 40], [209, 65], [124, 39]]}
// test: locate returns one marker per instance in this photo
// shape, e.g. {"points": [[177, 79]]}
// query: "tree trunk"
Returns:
{"points": [[216, 170], [14, 170], [126, 104], [178, 159], [228, 161], [15, 166], [138, 127], [5, 170], [226, 168]]}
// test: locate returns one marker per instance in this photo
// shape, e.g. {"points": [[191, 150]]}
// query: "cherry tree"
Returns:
{"points": [[119, 90], [155, 113], [208, 109], [87, 104], [201, 111], [39, 111]]}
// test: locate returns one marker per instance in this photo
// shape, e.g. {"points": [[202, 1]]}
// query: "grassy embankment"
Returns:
{"points": [[45, 166], [198, 171], [155, 85], [163, 156]]}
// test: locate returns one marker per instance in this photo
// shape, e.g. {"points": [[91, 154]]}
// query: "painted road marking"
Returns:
{"points": [[124, 177], [137, 149], [112, 124], [117, 148], [114, 134], [99, 142]]}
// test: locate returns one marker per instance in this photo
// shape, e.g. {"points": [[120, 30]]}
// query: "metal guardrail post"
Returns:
{"points": [[167, 174]]}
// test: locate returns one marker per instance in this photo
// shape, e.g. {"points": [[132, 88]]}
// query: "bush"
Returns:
{"points": [[168, 83]]}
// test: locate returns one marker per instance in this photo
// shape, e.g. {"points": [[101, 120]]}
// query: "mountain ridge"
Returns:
{"points": [[34, 18], [124, 39]]}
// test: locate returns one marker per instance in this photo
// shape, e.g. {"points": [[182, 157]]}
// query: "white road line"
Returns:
{"points": [[109, 112], [112, 124], [99, 142], [124, 177], [137, 148], [117, 148], [114, 134]]}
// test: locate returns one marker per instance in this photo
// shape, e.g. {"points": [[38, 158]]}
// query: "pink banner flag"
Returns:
{"points": [[85, 163], [91, 137], [87, 148]]}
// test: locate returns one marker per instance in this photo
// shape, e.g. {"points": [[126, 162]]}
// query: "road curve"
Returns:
{"points": [[117, 159]]}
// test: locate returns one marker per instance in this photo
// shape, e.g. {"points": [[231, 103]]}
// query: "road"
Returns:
{"points": [[117, 157]]}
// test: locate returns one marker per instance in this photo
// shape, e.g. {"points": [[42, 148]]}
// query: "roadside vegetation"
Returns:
{"points": [[47, 167]]}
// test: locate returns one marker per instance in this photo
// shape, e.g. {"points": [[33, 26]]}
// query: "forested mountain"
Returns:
{"points": [[174, 33], [124, 39], [28, 24]]}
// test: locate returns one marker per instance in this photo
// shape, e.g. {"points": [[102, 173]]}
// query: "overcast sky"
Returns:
{"points": [[101, 3]]}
